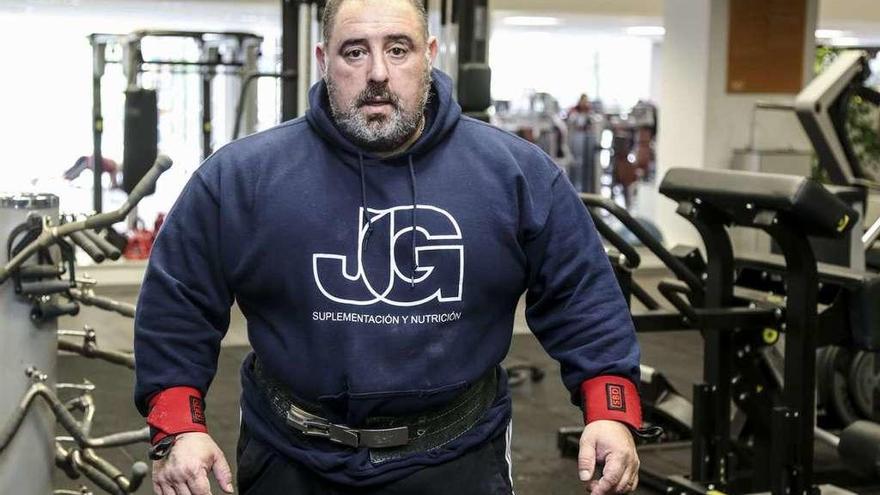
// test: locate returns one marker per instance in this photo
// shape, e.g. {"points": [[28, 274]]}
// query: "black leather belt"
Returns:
{"points": [[392, 437]]}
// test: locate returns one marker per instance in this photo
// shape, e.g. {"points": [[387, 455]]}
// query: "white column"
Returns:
{"points": [[684, 102]]}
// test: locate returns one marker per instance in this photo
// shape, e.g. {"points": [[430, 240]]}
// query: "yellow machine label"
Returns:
{"points": [[775, 299], [843, 223]]}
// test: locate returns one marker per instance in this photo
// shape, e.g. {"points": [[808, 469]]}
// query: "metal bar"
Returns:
{"points": [[671, 291], [210, 55], [659, 321], [826, 437], [726, 319], [162, 33], [770, 105], [98, 64], [678, 268], [214, 63], [643, 297], [712, 446], [88, 298], [239, 108], [289, 57], [871, 235], [633, 260], [793, 471]]}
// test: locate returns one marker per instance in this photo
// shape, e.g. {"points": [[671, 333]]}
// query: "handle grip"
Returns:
{"points": [[41, 271], [44, 287], [79, 238], [108, 249], [47, 310]]}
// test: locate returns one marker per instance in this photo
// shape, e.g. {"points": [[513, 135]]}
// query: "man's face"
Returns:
{"points": [[377, 66]]}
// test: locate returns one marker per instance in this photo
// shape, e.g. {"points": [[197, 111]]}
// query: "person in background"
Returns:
{"points": [[88, 163], [582, 143]]}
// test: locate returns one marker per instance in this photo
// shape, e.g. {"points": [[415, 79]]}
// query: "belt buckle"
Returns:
{"points": [[315, 426]]}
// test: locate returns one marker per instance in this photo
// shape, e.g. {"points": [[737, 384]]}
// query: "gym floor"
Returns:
{"points": [[539, 408]]}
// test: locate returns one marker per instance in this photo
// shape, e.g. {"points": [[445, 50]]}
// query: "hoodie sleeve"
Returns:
{"points": [[182, 313], [576, 309]]}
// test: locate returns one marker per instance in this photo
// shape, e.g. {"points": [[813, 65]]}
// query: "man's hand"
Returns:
{"points": [[185, 470], [611, 443]]}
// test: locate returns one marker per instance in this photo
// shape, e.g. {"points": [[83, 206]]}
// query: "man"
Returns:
{"points": [[582, 143], [378, 248]]}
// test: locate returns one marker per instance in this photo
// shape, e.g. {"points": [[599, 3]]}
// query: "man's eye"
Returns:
{"points": [[398, 52], [355, 54]]}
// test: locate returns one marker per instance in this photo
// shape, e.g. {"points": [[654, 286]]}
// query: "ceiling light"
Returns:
{"points": [[830, 33], [846, 41], [645, 31], [531, 21]]}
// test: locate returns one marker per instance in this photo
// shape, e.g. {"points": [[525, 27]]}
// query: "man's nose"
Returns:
{"points": [[379, 70]]}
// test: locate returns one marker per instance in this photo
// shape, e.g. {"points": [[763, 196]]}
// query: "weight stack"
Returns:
{"points": [[27, 463]]}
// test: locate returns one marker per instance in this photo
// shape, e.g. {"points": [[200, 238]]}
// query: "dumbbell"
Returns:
{"points": [[859, 447]]}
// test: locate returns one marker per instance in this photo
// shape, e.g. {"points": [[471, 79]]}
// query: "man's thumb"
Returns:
{"points": [[586, 458], [222, 472]]}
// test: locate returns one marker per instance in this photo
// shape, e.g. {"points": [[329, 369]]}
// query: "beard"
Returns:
{"points": [[380, 133]]}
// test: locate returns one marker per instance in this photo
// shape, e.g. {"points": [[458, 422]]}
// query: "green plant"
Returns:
{"points": [[862, 125]]}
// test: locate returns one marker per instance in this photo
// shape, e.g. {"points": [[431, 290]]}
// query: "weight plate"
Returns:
{"points": [[863, 383], [824, 372], [840, 397]]}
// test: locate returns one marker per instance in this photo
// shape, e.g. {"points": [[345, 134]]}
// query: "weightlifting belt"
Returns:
{"points": [[387, 437]]}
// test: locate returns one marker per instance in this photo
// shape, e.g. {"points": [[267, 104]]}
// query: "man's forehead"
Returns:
{"points": [[372, 19]]}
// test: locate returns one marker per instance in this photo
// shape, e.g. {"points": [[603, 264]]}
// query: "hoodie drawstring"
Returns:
{"points": [[415, 205], [364, 204], [412, 179]]}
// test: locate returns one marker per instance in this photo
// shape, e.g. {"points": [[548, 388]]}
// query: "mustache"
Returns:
{"points": [[377, 91]]}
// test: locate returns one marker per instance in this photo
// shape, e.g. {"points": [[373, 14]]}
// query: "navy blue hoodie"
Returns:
{"points": [[313, 237]]}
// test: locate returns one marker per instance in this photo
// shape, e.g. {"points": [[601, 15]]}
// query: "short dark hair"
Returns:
{"points": [[332, 8]]}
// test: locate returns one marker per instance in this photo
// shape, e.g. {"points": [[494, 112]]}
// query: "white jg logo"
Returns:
{"points": [[440, 266]]}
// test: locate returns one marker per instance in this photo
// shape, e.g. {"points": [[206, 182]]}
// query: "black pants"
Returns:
{"points": [[483, 471]]}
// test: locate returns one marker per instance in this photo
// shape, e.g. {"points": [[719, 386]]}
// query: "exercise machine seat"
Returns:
{"points": [[804, 203]]}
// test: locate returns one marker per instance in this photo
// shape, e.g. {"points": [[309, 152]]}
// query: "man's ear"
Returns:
{"points": [[432, 50], [321, 57]]}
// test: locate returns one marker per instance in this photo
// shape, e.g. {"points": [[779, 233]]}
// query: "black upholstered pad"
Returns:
{"points": [[806, 204]]}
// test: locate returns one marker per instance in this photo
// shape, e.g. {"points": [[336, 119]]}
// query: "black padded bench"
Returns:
{"points": [[746, 196]]}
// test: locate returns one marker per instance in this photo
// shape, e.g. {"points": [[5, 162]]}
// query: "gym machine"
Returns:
{"points": [[236, 53], [43, 285], [822, 108], [847, 369], [750, 427], [768, 441]]}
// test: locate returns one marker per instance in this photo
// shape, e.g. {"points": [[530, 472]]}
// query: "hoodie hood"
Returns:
{"points": [[442, 113]]}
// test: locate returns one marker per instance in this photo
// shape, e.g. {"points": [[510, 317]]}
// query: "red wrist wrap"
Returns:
{"points": [[176, 410], [612, 397]]}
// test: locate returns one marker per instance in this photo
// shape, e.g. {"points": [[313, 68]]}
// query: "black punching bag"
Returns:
{"points": [[141, 139], [474, 90]]}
